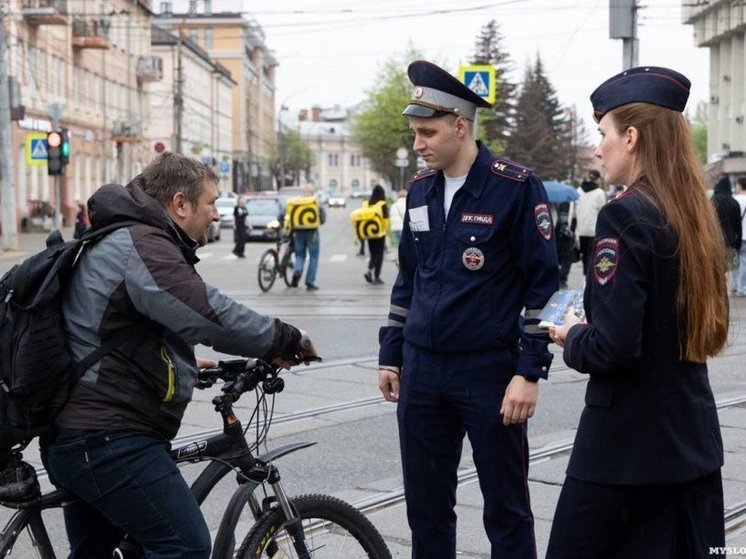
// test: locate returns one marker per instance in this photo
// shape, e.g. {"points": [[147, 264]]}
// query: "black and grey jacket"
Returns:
{"points": [[141, 280]]}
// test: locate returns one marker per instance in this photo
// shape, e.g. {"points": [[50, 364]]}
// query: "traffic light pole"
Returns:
{"points": [[7, 192]]}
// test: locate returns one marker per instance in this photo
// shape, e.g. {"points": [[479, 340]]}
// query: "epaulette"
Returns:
{"points": [[422, 173], [510, 170]]}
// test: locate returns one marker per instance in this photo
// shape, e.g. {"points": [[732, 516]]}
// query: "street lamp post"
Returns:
{"points": [[402, 161], [281, 147]]}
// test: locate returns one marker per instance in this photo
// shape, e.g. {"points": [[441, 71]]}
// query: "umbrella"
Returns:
{"points": [[559, 192]]}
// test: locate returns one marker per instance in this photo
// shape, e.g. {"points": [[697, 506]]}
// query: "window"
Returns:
{"points": [[166, 7], [208, 37], [194, 34], [208, 7]]}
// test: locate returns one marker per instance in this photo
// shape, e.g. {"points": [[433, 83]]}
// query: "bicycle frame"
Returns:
{"points": [[227, 451]]}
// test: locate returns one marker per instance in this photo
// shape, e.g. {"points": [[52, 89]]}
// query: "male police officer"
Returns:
{"points": [[477, 247]]}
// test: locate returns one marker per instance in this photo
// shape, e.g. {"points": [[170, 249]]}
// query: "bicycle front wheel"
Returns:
{"points": [[332, 528], [267, 269]]}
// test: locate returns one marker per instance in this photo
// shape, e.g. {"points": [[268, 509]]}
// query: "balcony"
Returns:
{"points": [[126, 131], [91, 33], [45, 12], [149, 69]]}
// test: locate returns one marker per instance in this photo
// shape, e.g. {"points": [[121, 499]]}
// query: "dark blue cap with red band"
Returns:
{"points": [[645, 84]]}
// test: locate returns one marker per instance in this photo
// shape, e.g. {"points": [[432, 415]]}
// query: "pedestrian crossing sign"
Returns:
{"points": [[36, 148], [480, 79]]}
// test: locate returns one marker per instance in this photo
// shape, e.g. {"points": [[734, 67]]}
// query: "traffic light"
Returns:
{"points": [[55, 160], [65, 146]]}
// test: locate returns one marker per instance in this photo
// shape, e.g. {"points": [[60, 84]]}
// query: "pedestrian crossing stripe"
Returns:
{"points": [[480, 79]]}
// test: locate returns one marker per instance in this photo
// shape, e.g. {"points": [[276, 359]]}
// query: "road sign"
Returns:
{"points": [[402, 162], [480, 79], [36, 148]]}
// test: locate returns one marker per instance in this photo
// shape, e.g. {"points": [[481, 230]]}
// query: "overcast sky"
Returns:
{"points": [[330, 51]]}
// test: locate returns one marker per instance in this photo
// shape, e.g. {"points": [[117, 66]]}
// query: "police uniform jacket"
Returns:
{"points": [[650, 417], [464, 278]]}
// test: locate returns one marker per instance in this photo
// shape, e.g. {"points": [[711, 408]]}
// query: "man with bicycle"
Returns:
{"points": [[139, 284], [477, 247]]}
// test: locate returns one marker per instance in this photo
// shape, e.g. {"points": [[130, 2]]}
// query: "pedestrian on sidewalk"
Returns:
{"points": [[729, 215], [457, 354], [740, 274], [643, 481], [592, 199], [241, 226]]}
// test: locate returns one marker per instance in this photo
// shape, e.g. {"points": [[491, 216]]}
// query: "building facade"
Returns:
{"points": [[339, 164], [190, 108], [238, 44], [720, 25], [75, 64]]}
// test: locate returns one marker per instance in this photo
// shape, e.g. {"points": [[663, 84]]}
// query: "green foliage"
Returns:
{"points": [[294, 158], [495, 125], [379, 127], [699, 132], [542, 138]]}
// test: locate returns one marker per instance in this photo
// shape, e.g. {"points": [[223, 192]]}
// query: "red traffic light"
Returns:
{"points": [[54, 139]]}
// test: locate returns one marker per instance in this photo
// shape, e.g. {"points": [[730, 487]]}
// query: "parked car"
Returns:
{"points": [[213, 234], [225, 208], [262, 211], [336, 200]]}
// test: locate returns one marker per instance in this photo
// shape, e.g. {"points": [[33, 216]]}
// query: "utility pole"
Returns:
{"points": [[623, 25], [178, 95], [7, 192]]}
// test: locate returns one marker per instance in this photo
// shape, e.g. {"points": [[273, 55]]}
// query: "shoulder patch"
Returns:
{"points": [[423, 174], [510, 170], [605, 259]]}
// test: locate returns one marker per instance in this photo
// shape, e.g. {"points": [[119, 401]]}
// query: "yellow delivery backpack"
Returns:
{"points": [[369, 222], [302, 212]]}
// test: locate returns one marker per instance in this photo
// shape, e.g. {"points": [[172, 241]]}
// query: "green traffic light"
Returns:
{"points": [[65, 148]]}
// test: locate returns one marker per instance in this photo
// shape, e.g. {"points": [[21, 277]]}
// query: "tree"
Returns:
{"points": [[495, 125], [379, 127], [542, 136], [699, 131], [294, 158]]}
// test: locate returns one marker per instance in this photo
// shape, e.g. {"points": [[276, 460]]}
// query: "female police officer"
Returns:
{"points": [[644, 475], [477, 247]]}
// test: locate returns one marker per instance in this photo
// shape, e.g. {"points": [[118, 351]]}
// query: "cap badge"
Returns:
{"points": [[418, 92], [473, 259]]}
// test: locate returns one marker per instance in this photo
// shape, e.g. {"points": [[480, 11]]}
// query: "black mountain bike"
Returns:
{"points": [[310, 526], [277, 261]]}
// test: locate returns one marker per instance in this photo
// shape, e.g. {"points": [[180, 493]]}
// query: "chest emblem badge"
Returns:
{"points": [[473, 259]]}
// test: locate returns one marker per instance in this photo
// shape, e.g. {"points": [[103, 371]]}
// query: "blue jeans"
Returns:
{"points": [[739, 275], [128, 484], [307, 239]]}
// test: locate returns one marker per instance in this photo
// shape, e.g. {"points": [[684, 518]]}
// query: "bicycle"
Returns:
{"points": [[277, 261], [311, 526]]}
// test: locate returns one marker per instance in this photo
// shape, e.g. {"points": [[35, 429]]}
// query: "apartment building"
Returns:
{"points": [[339, 164], [190, 108], [238, 44], [720, 25], [86, 66]]}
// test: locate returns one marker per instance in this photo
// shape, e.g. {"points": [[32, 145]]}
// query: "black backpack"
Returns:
{"points": [[36, 369]]}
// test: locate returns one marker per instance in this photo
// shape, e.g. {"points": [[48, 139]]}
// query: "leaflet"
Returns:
{"points": [[555, 311]]}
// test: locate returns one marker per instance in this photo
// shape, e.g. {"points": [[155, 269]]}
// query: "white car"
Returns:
{"points": [[336, 201], [225, 208]]}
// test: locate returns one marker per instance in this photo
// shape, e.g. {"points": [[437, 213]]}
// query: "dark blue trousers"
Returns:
{"points": [[666, 521], [442, 398], [127, 483]]}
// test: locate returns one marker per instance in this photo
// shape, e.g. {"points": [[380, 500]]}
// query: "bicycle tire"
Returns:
{"points": [[267, 269], [333, 528], [288, 266]]}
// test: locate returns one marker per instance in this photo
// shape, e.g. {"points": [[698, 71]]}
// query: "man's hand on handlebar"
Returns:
{"points": [[203, 363], [305, 353]]}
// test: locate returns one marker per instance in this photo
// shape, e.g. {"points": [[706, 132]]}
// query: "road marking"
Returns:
{"points": [[338, 258]]}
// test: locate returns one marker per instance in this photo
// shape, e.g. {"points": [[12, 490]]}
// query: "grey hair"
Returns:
{"points": [[170, 173]]}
